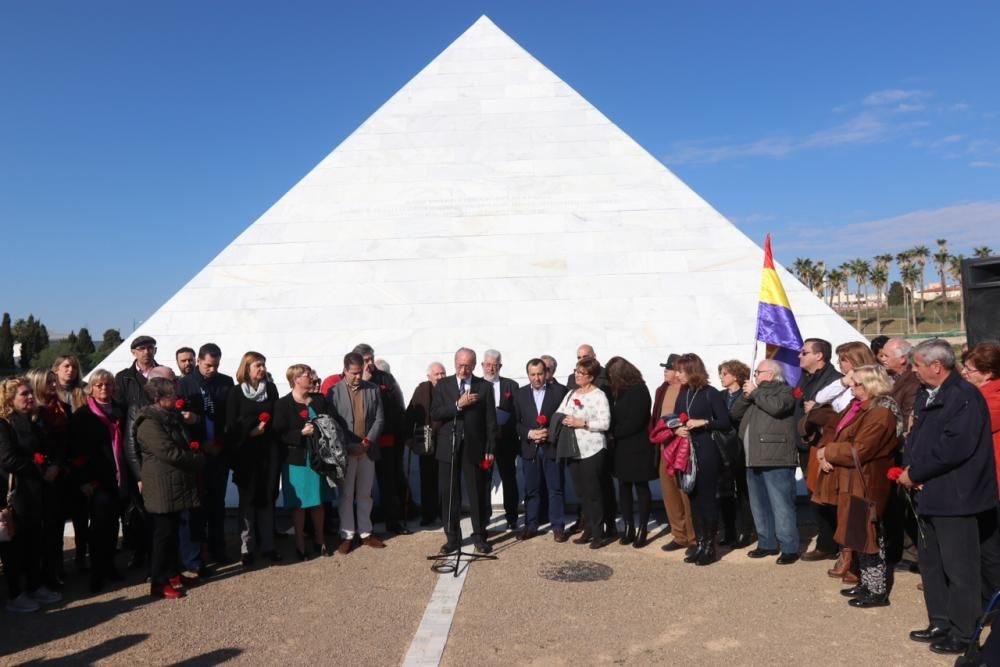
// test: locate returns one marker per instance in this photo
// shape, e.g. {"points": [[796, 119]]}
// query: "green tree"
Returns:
{"points": [[878, 277], [982, 251], [941, 260], [6, 343], [955, 271], [895, 295], [112, 338], [33, 337], [84, 343], [920, 255]]}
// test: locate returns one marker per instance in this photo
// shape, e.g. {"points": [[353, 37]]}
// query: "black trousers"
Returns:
{"points": [[506, 462], [165, 556], [950, 570], [608, 498], [900, 523], [625, 501], [705, 495], [587, 475], [388, 470], [477, 481], [22, 557], [989, 550], [430, 501], [103, 508], [209, 522], [826, 527]]}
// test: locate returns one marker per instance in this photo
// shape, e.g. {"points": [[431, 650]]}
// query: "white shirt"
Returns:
{"points": [[539, 395], [836, 394], [496, 391], [594, 409]]}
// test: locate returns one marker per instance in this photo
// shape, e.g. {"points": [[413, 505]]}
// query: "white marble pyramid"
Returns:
{"points": [[485, 204]]}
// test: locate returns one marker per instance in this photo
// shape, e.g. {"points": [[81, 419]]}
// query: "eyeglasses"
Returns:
{"points": [[580, 372], [971, 369], [803, 353], [756, 373], [100, 385]]}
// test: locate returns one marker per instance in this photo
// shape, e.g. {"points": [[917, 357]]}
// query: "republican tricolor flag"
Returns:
{"points": [[776, 325]]}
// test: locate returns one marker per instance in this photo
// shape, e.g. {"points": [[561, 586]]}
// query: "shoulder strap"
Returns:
{"points": [[854, 454]]}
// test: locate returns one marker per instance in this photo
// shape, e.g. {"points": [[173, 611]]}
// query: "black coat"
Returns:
{"points": [[526, 416], [507, 439], [476, 424], [394, 429], [20, 439], [950, 451], [169, 465], [708, 403], [92, 453], [130, 397], [807, 388], [254, 458], [288, 423], [635, 458], [192, 388]]}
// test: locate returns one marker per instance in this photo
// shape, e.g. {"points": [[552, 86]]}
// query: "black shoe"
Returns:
{"points": [[601, 542], [931, 633], [707, 556], [629, 536], [526, 534], [641, 538], [575, 528], [858, 591], [787, 559], [483, 547], [950, 646], [583, 539], [744, 540], [692, 552], [246, 561], [272, 556], [762, 553], [611, 530], [450, 548], [870, 600], [303, 556], [511, 524], [673, 546], [398, 529]]}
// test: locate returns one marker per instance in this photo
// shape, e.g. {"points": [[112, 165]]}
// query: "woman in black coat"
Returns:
{"points": [[254, 451], [635, 459], [100, 473], [703, 409], [25, 454]]}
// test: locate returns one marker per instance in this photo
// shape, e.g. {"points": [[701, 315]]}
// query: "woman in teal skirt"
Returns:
{"points": [[301, 488]]}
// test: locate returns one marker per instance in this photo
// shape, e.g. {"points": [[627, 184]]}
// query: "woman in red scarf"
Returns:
{"points": [[858, 448], [100, 473]]}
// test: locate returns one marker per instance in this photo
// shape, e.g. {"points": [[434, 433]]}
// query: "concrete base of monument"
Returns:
{"points": [[540, 603]]}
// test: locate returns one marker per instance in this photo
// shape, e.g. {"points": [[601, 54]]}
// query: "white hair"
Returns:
{"points": [[494, 355], [775, 368]]}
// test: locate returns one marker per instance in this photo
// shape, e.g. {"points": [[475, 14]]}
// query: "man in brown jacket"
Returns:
{"points": [[675, 501]]}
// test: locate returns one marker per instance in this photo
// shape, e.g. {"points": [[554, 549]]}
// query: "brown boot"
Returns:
{"points": [[850, 578], [843, 564]]}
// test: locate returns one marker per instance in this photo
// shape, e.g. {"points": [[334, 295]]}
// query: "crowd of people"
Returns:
{"points": [[900, 444]]}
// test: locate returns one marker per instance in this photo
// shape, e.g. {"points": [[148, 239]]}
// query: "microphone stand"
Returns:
{"points": [[445, 563]]}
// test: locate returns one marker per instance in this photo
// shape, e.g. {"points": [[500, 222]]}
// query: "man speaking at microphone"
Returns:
{"points": [[466, 407]]}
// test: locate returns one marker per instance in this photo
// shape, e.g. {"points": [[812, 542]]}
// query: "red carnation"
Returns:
{"points": [[383, 388], [39, 458], [541, 420], [195, 445], [894, 473], [683, 417], [798, 393], [264, 417], [577, 403], [485, 464], [507, 395], [304, 414], [180, 404], [79, 461]]}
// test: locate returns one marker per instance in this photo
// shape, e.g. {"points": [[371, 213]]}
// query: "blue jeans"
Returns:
{"points": [[772, 501], [555, 475], [190, 541]]}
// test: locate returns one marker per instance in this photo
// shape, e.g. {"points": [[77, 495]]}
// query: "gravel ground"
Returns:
{"points": [[636, 607]]}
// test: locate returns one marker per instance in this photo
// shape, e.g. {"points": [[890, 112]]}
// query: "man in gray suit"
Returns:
{"points": [[357, 406]]}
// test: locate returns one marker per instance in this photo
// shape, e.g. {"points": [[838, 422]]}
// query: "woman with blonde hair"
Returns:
{"points": [[858, 448], [69, 379], [25, 457], [253, 448], [301, 487]]}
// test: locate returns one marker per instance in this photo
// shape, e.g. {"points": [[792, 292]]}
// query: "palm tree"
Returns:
{"points": [[861, 271], [955, 270], [836, 280], [879, 277], [903, 261], [883, 261], [911, 277], [802, 267], [920, 255], [982, 251], [942, 259], [816, 277]]}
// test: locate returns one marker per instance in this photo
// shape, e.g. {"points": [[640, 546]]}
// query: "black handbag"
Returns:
{"points": [[563, 438], [728, 444]]}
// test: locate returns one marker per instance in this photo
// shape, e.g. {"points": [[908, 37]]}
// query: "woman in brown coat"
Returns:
{"points": [[869, 426]]}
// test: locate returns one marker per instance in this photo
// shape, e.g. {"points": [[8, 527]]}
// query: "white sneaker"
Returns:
{"points": [[22, 604], [43, 595]]}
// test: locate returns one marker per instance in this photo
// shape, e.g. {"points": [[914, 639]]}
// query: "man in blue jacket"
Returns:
{"points": [[949, 461]]}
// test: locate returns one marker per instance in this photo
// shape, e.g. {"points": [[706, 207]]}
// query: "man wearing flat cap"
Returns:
{"points": [[675, 501]]}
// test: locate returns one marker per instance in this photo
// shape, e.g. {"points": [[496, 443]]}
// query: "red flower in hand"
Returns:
{"points": [[894, 473], [383, 388], [798, 393], [180, 404], [577, 403], [541, 420], [304, 414], [195, 445], [683, 417], [485, 464], [39, 458], [79, 461], [264, 417]]}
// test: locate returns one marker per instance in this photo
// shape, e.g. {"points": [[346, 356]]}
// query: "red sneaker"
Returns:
{"points": [[165, 591]]}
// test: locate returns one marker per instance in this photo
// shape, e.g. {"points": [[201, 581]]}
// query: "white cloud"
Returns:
{"points": [[959, 106], [894, 96], [982, 164]]}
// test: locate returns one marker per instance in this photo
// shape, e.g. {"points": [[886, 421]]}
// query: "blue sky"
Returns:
{"points": [[138, 139]]}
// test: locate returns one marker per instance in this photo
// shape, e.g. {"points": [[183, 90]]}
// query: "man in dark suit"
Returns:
{"points": [[538, 458], [466, 407], [506, 443]]}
